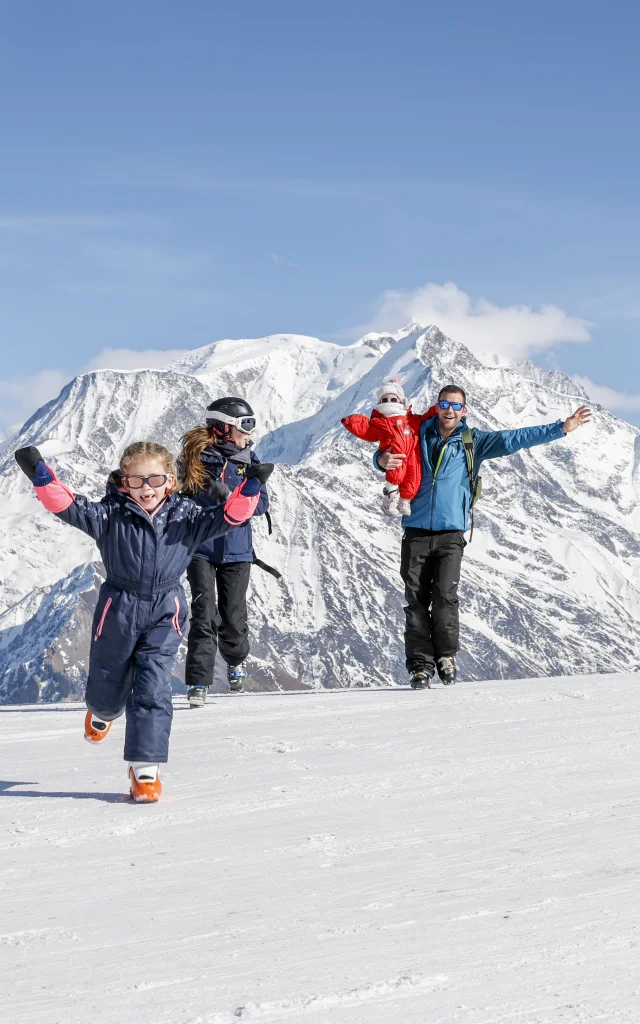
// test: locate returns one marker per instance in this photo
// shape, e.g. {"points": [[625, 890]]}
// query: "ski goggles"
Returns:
{"points": [[389, 399], [456, 406], [136, 483], [247, 424]]}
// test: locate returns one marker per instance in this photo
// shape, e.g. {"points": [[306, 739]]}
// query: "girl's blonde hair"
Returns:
{"points": [[193, 444], [150, 450]]}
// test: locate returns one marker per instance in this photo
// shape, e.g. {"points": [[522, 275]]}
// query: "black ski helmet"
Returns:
{"points": [[227, 412]]}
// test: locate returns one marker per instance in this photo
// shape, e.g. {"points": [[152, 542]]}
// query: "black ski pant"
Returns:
{"points": [[430, 568], [218, 617]]}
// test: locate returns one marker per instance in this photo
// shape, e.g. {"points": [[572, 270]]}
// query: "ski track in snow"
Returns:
{"points": [[467, 855]]}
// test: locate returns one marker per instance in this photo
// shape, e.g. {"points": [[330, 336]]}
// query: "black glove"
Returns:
{"points": [[217, 491], [28, 459], [261, 470]]}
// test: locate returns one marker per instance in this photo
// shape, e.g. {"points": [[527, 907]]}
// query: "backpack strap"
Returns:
{"points": [[267, 516], [470, 455], [267, 568], [469, 445]]}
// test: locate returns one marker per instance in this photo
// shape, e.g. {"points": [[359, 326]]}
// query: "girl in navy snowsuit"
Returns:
{"points": [[146, 534], [214, 461]]}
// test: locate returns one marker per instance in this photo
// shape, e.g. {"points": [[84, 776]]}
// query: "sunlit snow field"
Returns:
{"points": [[468, 855]]}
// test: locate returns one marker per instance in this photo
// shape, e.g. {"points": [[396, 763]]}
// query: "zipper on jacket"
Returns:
{"points": [[148, 518], [433, 483], [102, 618]]}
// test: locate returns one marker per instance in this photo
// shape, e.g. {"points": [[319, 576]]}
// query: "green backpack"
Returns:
{"points": [[474, 479]]}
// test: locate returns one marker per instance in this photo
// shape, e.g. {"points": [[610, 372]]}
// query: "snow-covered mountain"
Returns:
{"points": [[550, 582]]}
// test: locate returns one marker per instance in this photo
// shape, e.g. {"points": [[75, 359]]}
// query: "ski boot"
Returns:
{"points": [[236, 674], [390, 497], [145, 782], [447, 670], [95, 729], [197, 695], [420, 679]]}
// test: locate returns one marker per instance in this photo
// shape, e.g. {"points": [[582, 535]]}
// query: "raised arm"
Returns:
{"points": [[494, 444], [74, 509], [361, 426]]}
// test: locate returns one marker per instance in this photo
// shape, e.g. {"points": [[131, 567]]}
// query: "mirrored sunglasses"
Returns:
{"points": [[135, 483], [457, 406]]}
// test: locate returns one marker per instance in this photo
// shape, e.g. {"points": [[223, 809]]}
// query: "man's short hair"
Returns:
{"points": [[452, 389]]}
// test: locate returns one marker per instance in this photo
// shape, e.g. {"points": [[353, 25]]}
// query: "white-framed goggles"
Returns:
{"points": [[247, 424]]}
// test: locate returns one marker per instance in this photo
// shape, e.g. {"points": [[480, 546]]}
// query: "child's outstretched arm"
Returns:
{"points": [[75, 509], [215, 520], [361, 426]]}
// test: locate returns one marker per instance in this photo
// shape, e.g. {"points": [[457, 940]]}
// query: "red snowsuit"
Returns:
{"points": [[400, 434]]}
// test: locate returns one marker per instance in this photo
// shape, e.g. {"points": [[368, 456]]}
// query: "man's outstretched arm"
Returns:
{"points": [[496, 443]]}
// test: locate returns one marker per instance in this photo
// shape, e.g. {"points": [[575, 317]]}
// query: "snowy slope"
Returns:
{"points": [[550, 583], [465, 856]]}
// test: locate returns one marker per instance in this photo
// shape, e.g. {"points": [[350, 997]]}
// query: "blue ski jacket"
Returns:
{"points": [[444, 497], [236, 546]]}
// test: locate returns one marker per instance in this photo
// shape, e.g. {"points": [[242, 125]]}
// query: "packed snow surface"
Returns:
{"points": [[467, 855]]}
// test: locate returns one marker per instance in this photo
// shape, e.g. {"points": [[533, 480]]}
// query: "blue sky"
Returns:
{"points": [[173, 173]]}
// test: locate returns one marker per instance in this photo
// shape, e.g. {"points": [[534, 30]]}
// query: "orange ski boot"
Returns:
{"points": [[95, 730], [145, 783]]}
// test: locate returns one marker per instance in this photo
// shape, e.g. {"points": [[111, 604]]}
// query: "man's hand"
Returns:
{"points": [[390, 460], [578, 419]]}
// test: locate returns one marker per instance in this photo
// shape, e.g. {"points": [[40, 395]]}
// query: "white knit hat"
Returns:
{"points": [[393, 387]]}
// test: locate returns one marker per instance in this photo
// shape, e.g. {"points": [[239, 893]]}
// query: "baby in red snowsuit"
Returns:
{"points": [[393, 426]]}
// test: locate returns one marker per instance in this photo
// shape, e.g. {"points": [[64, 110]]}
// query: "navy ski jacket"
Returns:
{"points": [[236, 546], [444, 497], [145, 553]]}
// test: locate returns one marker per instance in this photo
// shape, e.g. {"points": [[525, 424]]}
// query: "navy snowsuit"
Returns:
{"points": [[141, 610]]}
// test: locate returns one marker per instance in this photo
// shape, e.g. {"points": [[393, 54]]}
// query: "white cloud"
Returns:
{"points": [[131, 359], [23, 395], [499, 334], [609, 398], [29, 393]]}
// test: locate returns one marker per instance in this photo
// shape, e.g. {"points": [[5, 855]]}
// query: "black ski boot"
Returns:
{"points": [[447, 670], [236, 674], [197, 695], [420, 679]]}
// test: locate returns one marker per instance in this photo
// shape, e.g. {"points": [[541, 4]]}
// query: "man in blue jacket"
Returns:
{"points": [[433, 539]]}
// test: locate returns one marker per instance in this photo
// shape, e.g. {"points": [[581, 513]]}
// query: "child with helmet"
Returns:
{"points": [[213, 462]]}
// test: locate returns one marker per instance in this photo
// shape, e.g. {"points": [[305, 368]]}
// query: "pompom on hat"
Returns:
{"points": [[393, 387]]}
